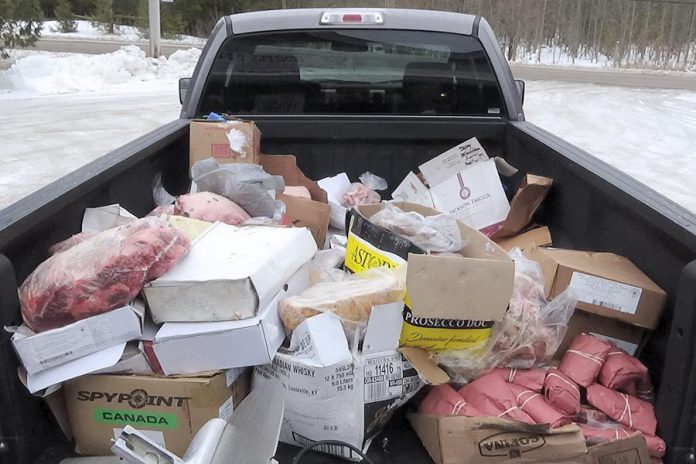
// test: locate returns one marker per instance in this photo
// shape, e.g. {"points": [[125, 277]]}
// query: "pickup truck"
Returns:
{"points": [[382, 90]]}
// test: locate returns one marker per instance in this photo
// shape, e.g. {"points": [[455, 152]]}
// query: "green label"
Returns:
{"points": [[135, 418]]}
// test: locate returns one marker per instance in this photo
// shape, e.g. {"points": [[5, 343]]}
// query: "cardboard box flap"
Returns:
{"points": [[426, 367], [320, 341], [536, 237], [428, 430], [286, 166], [631, 450], [607, 265], [524, 204], [471, 299], [383, 328], [313, 215]]}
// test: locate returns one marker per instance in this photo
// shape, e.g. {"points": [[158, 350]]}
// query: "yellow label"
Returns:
{"points": [[361, 255], [436, 334]]}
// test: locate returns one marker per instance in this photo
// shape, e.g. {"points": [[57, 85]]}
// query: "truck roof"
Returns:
{"points": [[394, 18]]}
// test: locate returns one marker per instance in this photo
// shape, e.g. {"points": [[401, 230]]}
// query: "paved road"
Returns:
{"points": [[650, 80], [56, 44]]}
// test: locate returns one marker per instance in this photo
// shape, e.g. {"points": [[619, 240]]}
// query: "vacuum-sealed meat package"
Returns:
{"points": [[624, 409], [99, 274], [561, 392], [207, 206], [584, 359], [443, 400], [352, 299]]}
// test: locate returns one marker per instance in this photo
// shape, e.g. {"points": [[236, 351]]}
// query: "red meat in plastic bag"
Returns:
{"points": [[491, 395], [99, 274], [584, 359], [444, 400], [622, 372], [624, 409], [357, 194], [561, 392], [207, 206], [538, 409], [531, 379]]}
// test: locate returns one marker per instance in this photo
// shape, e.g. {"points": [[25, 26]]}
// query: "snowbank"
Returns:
{"points": [[85, 30], [69, 73]]}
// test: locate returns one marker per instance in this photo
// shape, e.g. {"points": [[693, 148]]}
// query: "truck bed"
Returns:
{"points": [[592, 206]]}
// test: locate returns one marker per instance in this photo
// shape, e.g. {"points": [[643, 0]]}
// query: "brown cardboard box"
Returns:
{"points": [[620, 289], [211, 139], [606, 284], [313, 214], [168, 409], [632, 450], [537, 237], [477, 440], [524, 204]]}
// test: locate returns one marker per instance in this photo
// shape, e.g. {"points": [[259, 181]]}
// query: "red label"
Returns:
{"points": [[220, 150]]}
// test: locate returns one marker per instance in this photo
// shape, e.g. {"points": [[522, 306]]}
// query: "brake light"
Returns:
{"points": [[352, 17]]}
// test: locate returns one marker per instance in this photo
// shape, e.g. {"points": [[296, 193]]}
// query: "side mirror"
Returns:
{"points": [[520, 88], [184, 83]]}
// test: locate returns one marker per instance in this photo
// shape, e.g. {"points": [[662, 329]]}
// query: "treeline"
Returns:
{"points": [[624, 33]]}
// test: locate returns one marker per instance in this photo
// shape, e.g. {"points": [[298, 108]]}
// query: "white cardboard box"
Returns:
{"points": [[475, 196], [45, 350], [413, 190], [191, 347], [331, 394], [334, 187], [229, 273], [454, 160]]}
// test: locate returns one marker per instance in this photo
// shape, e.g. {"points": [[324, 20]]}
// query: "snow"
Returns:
{"points": [[86, 30], [646, 133], [559, 57], [48, 73]]}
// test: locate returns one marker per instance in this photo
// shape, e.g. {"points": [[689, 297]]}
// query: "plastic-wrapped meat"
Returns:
{"points": [[491, 395], [70, 242], [561, 392], [624, 409], [622, 372], [99, 274], [357, 194], [533, 404], [531, 379], [584, 359], [210, 207], [164, 209], [444, 400]]}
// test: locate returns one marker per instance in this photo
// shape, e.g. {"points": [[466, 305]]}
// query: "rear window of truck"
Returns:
{"points": [[379, 72]]}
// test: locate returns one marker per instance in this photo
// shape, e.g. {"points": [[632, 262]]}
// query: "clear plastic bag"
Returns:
{"points": [[159, 194], [99, 274], [352, 299], [357, 194], [324, 267], [373, 181], [210, 207], [529, 334], [245, 184], [439, 233]]}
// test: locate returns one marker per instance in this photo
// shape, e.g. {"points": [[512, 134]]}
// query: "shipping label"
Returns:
{"points": [[606, 293]]}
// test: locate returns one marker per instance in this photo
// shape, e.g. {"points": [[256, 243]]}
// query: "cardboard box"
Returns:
{"points": [[334, 188], [606, 284], [226, 141], [187, 348], [537, 237], [452, 302], [41, 351], [313, 214], [474, 440], [168, 410], [524, 204], [331, 394], [229, 273], [454, 160], [625, 336], [413, 190], [632, 450]]}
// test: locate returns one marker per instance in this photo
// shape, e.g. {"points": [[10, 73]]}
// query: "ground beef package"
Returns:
{"points": [[99, 274]]}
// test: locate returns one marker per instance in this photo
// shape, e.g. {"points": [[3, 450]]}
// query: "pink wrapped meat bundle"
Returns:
{"points": [[622, 372], [624, 409], [593, 417], [444, 400], [561, 392], [207, 206], [492, 396], [584, 359], [531, 379], [99, 274], [533, 404]]}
